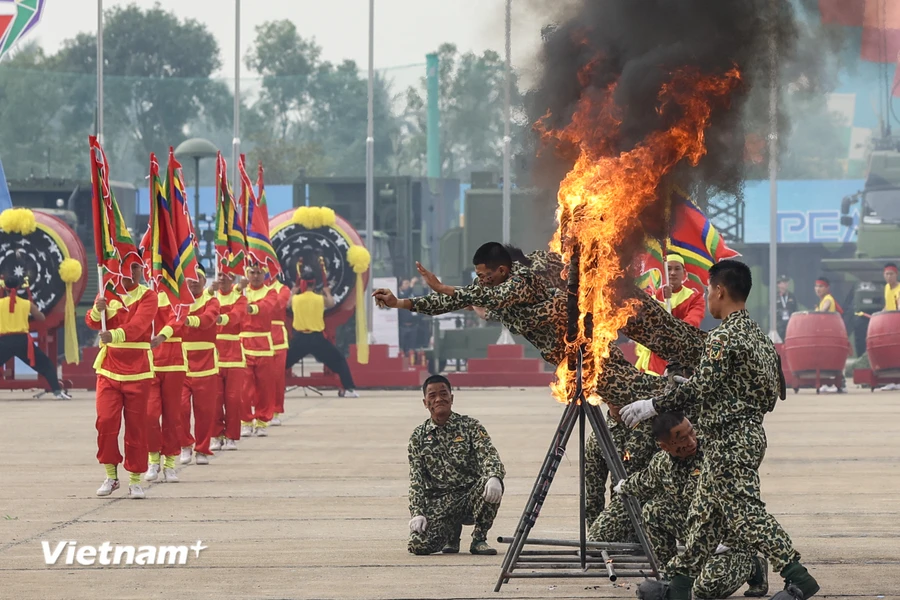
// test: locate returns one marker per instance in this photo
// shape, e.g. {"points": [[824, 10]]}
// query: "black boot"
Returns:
{"points": [[759, 578], [796, 574], [680, 587], [452, 545]]}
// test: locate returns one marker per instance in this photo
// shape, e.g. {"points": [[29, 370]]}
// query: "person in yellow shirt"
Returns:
{"points": [[308, 308], [15, 339], [827, 302], [891, 288]]}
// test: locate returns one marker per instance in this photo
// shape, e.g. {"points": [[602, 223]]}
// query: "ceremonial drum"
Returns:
{"points": [[883, 342], [816, 346], [309, 234], [37, 256]]}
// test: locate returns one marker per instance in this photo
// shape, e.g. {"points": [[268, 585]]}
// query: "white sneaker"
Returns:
{"points": [[246, 431], [261, 432], [186, 454], [229, 445], [215, 444], [152, 473], [349, 394], [170, 476], [202, 459], [275, 422], [61, 395], [889, 387], [136, 492], [108, 487]]}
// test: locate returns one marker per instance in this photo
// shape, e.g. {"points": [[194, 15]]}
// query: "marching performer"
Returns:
{"points": [[164, 402], [279, 346], [15, 339], [202, 381], [232, 363], [124, 373], [256, 336]]}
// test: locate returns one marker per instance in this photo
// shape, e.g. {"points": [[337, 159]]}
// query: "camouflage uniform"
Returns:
{"points": [[666, 488], [530, 304], [637, 446], [448, 469], [735, 385]]}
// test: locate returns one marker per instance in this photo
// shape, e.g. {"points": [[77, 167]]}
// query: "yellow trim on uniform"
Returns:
{"points": [[202, 346], [167, 331], [198, 345], [170, 369], [193, 321], [233, 365], [284, 335], [253, 309], [231, 337], [223, 320], [129, 346]]}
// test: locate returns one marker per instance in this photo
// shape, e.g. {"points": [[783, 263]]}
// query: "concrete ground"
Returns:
{"points": [[319, 509]]}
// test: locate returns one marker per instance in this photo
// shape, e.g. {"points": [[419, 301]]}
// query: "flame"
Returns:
{"points": [[627, 456], [602, 199]]}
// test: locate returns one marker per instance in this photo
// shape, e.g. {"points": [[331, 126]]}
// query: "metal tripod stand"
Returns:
{"points": [[581, 558], [306, 388]]}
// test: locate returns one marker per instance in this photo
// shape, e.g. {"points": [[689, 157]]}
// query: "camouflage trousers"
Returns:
{"points": [[445, 513], [620, 383], [721, 575], [668, 337], [728, 499], [636, 447]]}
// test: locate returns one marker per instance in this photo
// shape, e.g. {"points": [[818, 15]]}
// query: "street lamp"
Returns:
{"points": [[196, 148]]}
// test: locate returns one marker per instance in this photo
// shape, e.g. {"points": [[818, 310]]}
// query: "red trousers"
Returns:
{"points": [[113, 399], [259, 389], [165, 402], [228, 403], [280, 361], [201, 392]]}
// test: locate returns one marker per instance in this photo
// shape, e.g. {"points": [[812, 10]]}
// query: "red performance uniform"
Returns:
{"points": [[202, 382], [280, 342], [232, 364], [124, 375], [165, 389], [688, 305], [256, 336]]}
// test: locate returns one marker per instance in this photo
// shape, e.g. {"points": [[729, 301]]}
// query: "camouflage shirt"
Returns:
{"points": [[527, 304], [449, 459], [666, 476], [737, 379]]}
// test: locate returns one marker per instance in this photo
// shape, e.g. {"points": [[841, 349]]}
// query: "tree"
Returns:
{"points": [[156, 71], [471, 89]]}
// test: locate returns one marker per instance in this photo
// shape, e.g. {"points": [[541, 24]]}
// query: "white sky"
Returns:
{"points": [[405, 30]]}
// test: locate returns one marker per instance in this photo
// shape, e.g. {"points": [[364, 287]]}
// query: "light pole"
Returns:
{"points": [[773, 175], [370, 168], [505, 336], [236, 140], [100, 71]]}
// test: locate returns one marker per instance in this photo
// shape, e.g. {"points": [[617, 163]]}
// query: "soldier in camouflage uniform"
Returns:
{"points": [[666, 488], [455, 477], [735, 384]]}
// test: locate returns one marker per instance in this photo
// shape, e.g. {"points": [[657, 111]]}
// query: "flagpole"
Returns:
{"points": [[370, 169], [773, 176], [506, 337], [236, 140], [100, 76], [100, 285]]}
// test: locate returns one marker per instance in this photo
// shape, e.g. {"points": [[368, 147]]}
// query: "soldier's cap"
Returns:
{"points": [[783, 278]]}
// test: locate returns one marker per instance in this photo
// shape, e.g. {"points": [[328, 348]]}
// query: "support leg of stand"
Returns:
{"points": [[582, 530], [539, 491]]}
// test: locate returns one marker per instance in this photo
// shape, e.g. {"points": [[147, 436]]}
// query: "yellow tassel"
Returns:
{"points": [[314, 217], [359, 259], [70, 271], [18, 220]]}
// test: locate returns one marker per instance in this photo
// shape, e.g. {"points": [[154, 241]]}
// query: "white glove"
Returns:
{"points": [[638, 411], [722, 549], [618, 487], [493, 491], [418, 524], [680, 379]]}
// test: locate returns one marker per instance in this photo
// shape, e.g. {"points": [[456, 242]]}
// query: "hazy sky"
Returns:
{"points": [[405, 30]]}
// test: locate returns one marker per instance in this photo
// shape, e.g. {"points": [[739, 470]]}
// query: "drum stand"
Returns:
{"points": [[306, 388]]}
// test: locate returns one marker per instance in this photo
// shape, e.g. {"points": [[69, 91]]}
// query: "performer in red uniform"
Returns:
{"points": [[124, 374], [687, 304], [256, 336], [280, 347], [202, 382], [232, 364], [164, 401]]}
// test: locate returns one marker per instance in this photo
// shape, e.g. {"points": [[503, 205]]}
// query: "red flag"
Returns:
{"points": [[695, 239], [165, 274], [185, 260], [114, 248], [230, 234], [256, 218]]}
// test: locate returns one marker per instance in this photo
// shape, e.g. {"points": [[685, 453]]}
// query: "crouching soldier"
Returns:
{"points": [[455, 477]]}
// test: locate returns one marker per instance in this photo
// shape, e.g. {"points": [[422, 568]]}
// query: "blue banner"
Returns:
{"points": [[5, 200]]}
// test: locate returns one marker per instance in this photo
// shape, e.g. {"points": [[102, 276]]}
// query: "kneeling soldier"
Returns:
{"points": [[455, 477]]}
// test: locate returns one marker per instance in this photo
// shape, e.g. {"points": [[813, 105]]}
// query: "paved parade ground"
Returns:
{"points": [[319, 508]]}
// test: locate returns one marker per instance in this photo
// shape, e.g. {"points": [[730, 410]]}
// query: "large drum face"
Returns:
{"points": [[37, 257], [293, 243]]}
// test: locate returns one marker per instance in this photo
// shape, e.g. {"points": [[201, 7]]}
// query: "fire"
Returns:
{"points": [[602, 199], [627, 456]]}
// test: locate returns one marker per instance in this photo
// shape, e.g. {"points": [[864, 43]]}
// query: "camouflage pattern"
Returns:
{"points": [[727, 498], [448, 468], [636, 447], [670, 338]]}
